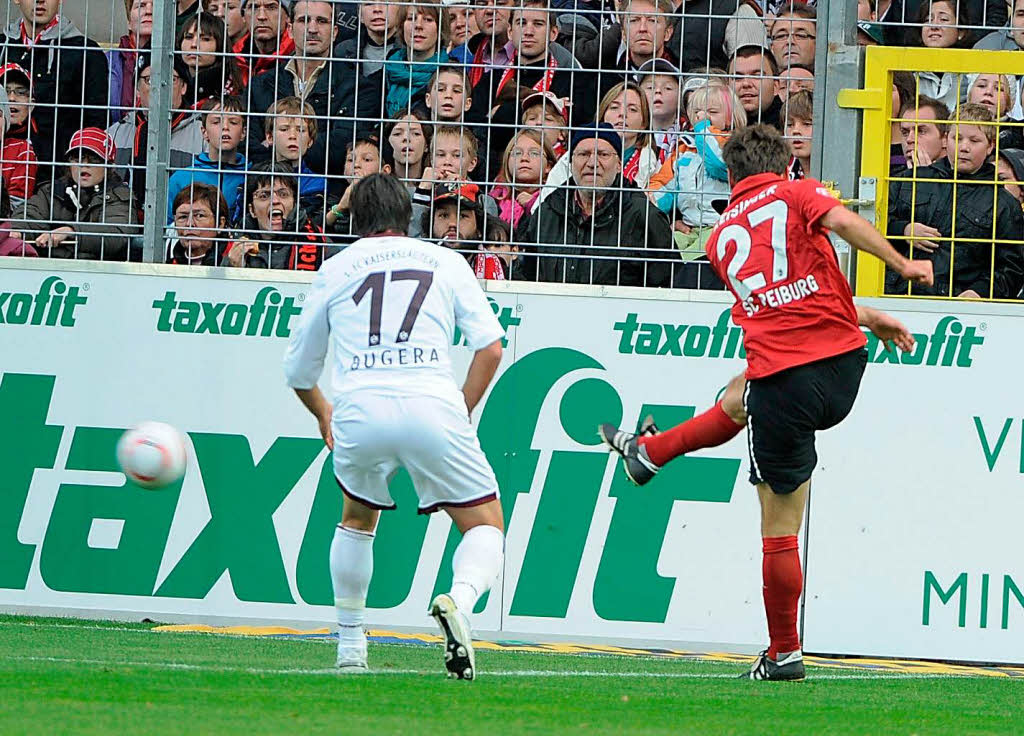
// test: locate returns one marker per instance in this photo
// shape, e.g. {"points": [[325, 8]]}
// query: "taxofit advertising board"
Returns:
{"points": [[910, 549]]}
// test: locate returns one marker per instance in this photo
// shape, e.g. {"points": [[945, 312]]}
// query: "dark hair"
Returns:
{"points": [[264, 174], [962, 19], [938, 107], [798, 10], [745, 52], [379, 203], [373, 138], [228, 103], [756, 149], [420, 115], [200, 192], [209, 23], [906, 86], [495, 230]]}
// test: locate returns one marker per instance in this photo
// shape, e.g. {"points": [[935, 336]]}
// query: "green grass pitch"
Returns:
{"points": [[62, 676]]}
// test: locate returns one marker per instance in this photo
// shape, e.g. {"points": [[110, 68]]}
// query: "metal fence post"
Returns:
{"points": [[836, 142], [159, 140]]}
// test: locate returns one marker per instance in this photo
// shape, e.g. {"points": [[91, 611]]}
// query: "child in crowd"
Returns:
{"points": [[524, 169], [367, 154], [624, 107], [87, 212], [289, 129], [18, 161], [453, 155], [695, 177], [497, 255], [798, 130], [998, 92], [448, 96], [409, 138], [222, 165], [409, 69], [200, 222], [659, 80], [549, 114]]}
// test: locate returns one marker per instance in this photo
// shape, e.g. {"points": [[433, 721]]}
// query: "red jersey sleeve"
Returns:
{"points": [[812, 200]]}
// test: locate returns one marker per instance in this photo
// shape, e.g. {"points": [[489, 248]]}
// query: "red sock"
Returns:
{"points": [[710, 429], [783, 582]]}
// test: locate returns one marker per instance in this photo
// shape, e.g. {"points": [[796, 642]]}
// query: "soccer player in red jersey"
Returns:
{"points": [[805, 358]]}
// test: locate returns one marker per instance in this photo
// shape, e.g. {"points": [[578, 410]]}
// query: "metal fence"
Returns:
{"points": [[281, 104]]}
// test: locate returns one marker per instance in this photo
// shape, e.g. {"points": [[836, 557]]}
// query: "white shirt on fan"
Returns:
{"points": [[389, 307]]}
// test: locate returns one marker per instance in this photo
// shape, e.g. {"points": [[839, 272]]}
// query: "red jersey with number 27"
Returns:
{"points": [[792, 300]]}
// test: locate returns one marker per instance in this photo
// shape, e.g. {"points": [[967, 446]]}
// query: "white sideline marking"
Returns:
{"points": [[485, 674]]}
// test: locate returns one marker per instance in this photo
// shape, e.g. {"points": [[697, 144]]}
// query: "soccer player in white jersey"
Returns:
{"points": [[389, 305]]}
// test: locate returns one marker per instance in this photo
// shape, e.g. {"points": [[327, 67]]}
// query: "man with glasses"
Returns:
{"points": [[130, 134], [267, 38], [794, 35], [597, 231]]}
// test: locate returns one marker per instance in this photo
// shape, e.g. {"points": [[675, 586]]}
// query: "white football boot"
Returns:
{"points": [[352, 655]]}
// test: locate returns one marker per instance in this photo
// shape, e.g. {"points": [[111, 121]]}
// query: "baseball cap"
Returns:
{"points": [[552, 99], [95, 140], [16, 71], [871, 30], [464, 191], [657, 66]]}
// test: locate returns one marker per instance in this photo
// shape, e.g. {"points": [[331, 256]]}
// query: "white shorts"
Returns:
{"points": [[431, 437]]}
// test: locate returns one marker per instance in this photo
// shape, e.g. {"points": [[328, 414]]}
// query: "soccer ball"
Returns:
{"points": [[152, 454]]}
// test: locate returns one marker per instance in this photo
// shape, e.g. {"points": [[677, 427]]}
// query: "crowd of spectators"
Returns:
{"points": [[570, 141]]}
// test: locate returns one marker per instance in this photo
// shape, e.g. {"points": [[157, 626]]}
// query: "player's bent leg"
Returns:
{"points": [[476, 565], [351, 569], [781, 518]]}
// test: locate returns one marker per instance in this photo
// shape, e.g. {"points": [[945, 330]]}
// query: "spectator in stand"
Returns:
{"points": [[549, 113], [694, 181], [942, 27], [123, 61], [796, 78], [799, 129], [794, 35], [1010, 171], [647, 29], [203, 45], [454, 152], [201, 226], [19, 163], [997, 92], [448, 95], [903, 93], [289, 130], [377, 38], [410, 141], [409, 68], [230, 11], [524, 169], [969, 228], [754, 75], [267, 38], [459, 21], [11, 243], [490, 48], [624, 107], [659, 81], [497, 255], [131, 133], [924, 132], [284, 236], [1010, 38], [367, 154], [597, 231], [710, 31], [329, 85], [456, 219], [69, 76], [222, 165], [18, 86], [86, 212], [187, 9]]}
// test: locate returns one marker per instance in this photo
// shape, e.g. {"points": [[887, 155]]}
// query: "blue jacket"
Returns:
{"points": [[229, 178]]}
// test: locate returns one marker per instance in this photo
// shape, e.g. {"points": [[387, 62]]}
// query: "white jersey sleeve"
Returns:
{"points": [[473, 313], [304, 357]]}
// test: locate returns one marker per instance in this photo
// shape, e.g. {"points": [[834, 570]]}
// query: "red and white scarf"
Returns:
{"points": [[543, 84]]}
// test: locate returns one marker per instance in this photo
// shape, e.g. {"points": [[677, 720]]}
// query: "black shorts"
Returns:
{"points": [[784, 411]]}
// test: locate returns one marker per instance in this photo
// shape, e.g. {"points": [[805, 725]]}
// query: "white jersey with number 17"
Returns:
{"points": [[389, 307]]}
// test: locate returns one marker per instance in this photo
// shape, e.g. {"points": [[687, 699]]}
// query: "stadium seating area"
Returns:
{"points": [[569, 141]]}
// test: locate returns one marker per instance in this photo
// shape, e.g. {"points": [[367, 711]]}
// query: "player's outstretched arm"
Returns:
{"points": [[481, 372], [862, 235], [886, 328]]}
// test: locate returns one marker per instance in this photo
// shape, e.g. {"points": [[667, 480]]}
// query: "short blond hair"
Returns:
{"points": [[701, 96], [290, 107], [970, 113]]}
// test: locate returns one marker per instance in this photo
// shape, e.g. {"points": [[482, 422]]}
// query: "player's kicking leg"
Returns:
{"points": [[643, 454], [781, 516], [476, 565], [351, 570]]}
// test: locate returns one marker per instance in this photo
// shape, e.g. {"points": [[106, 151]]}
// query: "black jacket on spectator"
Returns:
{"points": [[300, 246], [103, 217], [624, 226], [970, 263], [333, 94], [71, 76], [693, 29], [615, 68]]}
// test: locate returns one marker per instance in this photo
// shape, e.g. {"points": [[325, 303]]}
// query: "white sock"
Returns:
{"points": [[476, 565], [351, 570]]}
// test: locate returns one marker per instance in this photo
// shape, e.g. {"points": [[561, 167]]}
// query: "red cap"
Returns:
{"points": [[95, 140], [457, 190], [17, 69]]}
